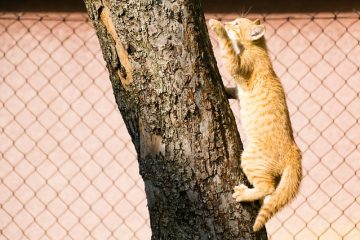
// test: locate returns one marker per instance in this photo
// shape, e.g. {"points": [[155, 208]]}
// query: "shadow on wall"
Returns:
{"points": [[209, 6]]}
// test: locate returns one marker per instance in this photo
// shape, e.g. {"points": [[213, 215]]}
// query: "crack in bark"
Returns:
{"points": [[125, 70]]}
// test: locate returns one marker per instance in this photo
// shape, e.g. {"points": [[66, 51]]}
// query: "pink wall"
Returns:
{"points": [[68, 169]]}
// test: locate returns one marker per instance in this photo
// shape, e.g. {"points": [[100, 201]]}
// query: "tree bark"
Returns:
{"points": [[170, 94]]}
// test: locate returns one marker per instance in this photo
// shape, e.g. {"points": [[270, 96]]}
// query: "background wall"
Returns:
{"points": [[68, 169]]}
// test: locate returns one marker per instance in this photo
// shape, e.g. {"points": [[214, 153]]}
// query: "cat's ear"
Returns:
{"points": [[257, 22], [256, 32]]}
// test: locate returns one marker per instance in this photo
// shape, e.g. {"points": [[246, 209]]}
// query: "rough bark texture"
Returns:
{"points": [[174, 105]]}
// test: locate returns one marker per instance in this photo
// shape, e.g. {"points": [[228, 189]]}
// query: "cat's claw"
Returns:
{"points": [[240, 187], [216, 26], [213, 23], [238, 192]]}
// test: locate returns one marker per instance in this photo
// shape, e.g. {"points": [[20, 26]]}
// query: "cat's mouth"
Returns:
{"points": [[227, 25]]}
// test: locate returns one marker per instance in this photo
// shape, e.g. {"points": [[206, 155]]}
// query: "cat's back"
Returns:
{"points": [[263, 110]]}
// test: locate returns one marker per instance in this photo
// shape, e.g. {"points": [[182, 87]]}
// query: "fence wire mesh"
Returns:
{"points": [[68, 169]]}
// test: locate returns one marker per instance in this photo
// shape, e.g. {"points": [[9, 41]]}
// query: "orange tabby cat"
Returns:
{"points": [[271, 153]]}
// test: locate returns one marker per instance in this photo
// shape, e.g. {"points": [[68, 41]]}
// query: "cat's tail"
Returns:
{"points": [[283, 194]]}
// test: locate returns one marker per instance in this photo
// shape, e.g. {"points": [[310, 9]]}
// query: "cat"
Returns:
{"points": [[271, 160]]}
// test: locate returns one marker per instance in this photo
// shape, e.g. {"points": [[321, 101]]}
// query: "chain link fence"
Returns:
{"points": [[68, 169]]}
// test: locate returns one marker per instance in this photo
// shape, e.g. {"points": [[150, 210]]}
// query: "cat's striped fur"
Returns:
{"points": [[271, 152]]}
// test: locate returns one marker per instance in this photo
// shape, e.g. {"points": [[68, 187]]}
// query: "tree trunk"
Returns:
{"points": [[171, 97]]}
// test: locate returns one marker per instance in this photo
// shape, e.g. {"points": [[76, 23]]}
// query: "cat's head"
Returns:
{"points": [[245, 30]]}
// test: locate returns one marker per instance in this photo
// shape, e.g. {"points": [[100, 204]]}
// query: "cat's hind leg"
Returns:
{"points": [[259, 176], [244, 194]]}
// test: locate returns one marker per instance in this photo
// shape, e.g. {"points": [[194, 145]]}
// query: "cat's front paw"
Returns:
{"points": [[239, 192], [216, 26]]}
